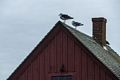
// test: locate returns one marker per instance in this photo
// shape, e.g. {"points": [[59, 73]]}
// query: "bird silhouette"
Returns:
{"points": [[107, 43], [76, 24], [65, 17]]}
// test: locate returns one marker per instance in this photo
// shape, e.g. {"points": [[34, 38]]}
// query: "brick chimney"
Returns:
{"points": [[99, 30]]}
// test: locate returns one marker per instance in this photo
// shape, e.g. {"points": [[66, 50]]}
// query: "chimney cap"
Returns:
{"points": [[99, 19]]}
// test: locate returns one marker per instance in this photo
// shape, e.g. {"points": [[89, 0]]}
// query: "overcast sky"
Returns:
{"points": [[23, 23]]}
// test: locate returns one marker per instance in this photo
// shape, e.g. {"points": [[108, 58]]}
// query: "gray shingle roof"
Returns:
{"points": [[107, 56]]}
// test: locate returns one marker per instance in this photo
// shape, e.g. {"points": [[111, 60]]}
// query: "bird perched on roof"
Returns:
{"points": [[76, 24], [107, 43], [65, 17]]}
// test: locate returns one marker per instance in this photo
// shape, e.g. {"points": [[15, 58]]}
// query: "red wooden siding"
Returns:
{"points": [[65, 50]]}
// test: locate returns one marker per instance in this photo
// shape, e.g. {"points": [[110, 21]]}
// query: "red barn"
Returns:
{"points": [[68, 54]]}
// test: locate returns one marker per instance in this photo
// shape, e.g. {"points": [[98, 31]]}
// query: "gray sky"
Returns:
{"points": [[23, 23]]}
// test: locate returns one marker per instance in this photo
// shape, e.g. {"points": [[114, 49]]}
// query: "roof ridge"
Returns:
{"points": [[67, 26]]}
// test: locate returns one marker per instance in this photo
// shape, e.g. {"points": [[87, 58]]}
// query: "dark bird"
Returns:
{"points": [[76, 24], [65, 17], [107, 43]]}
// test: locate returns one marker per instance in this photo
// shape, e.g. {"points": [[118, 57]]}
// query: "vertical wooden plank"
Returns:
{"points": [[78, 62], [39, 66], [22, 77], [46, 61], [42, 71], [49, 55], [97, 77], [52, 56], [102, 74], [29, 71], [44, 65], [64, 48], [107, 77], [91, 68], [58, 52], [26, 75], [35, 69], [55, 54], [70, 55], [61, 42], [84, 66]]}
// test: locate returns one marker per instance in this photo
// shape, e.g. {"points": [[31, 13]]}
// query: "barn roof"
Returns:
{"points": [[104, 54]]}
